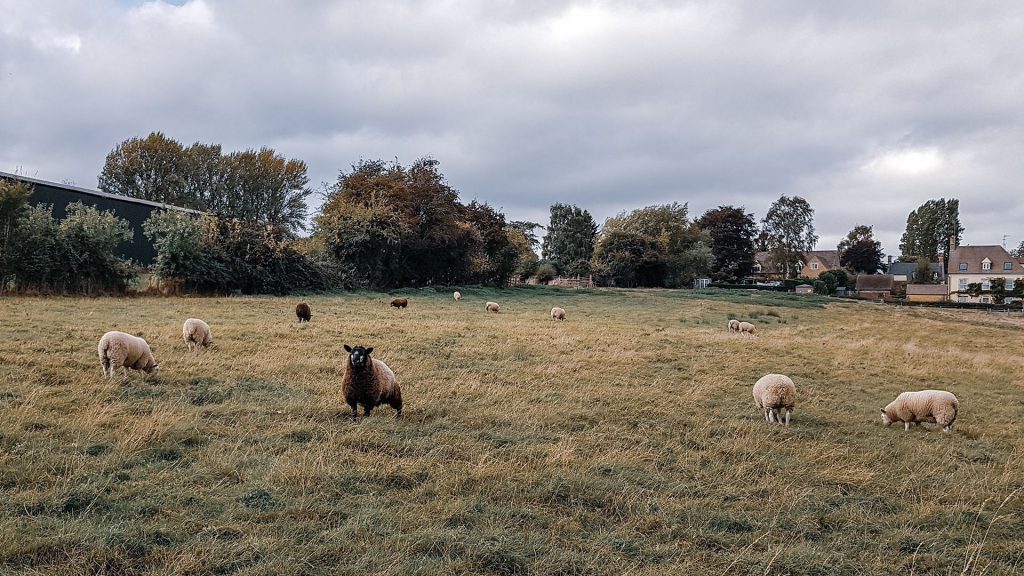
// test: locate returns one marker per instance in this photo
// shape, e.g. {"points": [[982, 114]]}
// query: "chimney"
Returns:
{"points": [[952, 243]]}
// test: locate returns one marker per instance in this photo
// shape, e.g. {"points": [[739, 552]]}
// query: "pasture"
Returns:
{"points": [[623, 440]]}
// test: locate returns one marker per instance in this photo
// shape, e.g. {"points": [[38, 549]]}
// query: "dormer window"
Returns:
{"points": [[1007, 266], [757, 267], [986, 265], [963, 265]]}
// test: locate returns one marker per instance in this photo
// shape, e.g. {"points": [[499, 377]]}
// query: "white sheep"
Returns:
{"points": [[747, 328], [734, 325], [936, 406], [124, 351], [557, 313], [196, 333], [457, 295], [774, 392], [491, 307]]}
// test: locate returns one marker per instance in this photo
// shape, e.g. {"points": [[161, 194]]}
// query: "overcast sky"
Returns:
{"points": [[866, 111]]}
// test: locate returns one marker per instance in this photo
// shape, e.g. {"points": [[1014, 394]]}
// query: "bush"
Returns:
{"points": [[545, 271], [73, 255], [213, 255]]}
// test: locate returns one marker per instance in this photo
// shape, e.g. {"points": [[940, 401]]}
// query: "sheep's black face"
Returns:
{"points": [[358, 357]]}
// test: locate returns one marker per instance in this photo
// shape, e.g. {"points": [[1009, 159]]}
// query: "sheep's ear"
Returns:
{"points": [[369, 350], [347, 348]]}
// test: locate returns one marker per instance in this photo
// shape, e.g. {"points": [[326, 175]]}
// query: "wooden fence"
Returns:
{"points": [[561, 281]]}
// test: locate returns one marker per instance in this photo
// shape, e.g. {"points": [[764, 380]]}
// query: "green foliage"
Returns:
{"points": [[788, 232], [998, 290], [860, 252], [214, 255], [569, 243], [73, 255], [254, 185], [1018, 252], [545, 271], [930, 228], [732, 232], [13, 200], [923, 274], [386, 225], [656, 246], [821, 287]]}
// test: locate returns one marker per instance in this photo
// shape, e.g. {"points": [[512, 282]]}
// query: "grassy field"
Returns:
{"points": [[621, 441]]}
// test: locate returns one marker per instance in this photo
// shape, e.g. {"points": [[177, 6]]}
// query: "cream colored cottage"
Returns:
{"points": [[981, 265]]}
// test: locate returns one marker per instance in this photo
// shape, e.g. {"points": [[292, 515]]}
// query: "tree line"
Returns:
{"points": [[384, 225]]}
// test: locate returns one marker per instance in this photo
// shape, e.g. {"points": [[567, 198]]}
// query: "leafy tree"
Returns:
{"points": [[830, 280], [733, 233], [545, 271], [788, 231], [528, 230], [859, 251], [258, 186], [495, 255], [1018, 252], [923, 274], [653, 246], [569, 243], [13, 201], [929, 230]]}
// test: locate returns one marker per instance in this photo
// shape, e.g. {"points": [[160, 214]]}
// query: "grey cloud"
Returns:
{"points": [[611, 106]]}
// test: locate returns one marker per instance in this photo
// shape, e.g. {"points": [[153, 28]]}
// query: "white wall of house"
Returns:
{"points": [[958, 283]]}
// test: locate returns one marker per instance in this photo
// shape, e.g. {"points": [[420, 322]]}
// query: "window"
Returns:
{"points": [[814, 266], [986, 265], [963, 265], [963, 284], [757, 267], [962, 299], [986, 299], [1007, 266], [986, 284]]}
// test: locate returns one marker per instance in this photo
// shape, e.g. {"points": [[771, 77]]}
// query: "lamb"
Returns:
{"points": [[774, 392], [302, 311], [747, 328], [369, 382], [491, 307], [399, 302], [557, 313], [936, 406], [196, 333], [124, 351], [734, 325], [457, 295]]}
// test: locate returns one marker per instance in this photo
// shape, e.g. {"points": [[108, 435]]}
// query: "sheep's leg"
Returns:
{"points": [[906, 426], [771, 416], [788, 412], [355, 411], [366, 410]]}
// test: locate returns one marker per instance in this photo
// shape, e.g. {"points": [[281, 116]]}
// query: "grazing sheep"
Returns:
{"points": [[774, 392], [734, 325], [557, 313], [369, 382], [124, 351], [196, 333], [491, 307], [457, 296], [302, 311], [936, 406], [747, 328], [399, 302]]}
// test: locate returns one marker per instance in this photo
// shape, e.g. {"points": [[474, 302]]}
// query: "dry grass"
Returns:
{"points": [[621, 441]]}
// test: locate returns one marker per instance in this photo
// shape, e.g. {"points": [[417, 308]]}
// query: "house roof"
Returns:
{"points": [[908, 268], [926, 289], [830, 258], [875, 282], [973, 256]]}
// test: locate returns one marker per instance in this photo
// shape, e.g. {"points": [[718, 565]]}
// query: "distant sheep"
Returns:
{"points": [[492, 307], [196, 333], [303, 313], [399, 302], [936, 406], [734, 325], [457, 296], [747, 328], [557, 313], [124, 351], [774, 392], [369, 382]]}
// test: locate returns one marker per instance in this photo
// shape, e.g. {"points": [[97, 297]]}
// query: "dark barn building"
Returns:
{"points": [[134, 210]]}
